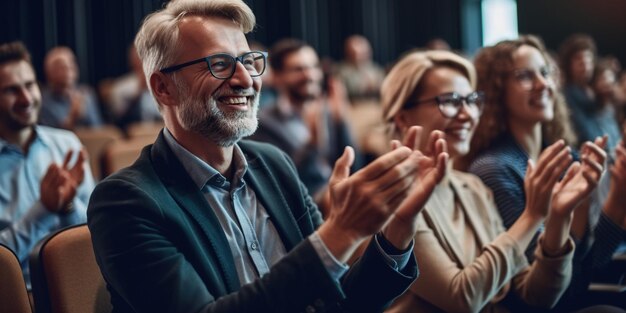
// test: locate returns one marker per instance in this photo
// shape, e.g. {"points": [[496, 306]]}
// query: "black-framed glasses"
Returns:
{"points": [[222, 65], [450, 104], [526, 76]]}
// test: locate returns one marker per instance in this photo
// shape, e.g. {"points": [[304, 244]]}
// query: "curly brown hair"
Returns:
{"points": [[492, 66], [572, 45]]}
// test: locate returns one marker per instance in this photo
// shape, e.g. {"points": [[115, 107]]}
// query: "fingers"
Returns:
{"points": [[551, 166], [440, 144], [341, 170], [442, 165], [595, 150], [395, 179], [395, 144], [556, 166], [382, 164], [571, 173], [530, 167], [548, 154], [68, 157], [601, 141], [412, 137], [78, 170], [592, 167]]}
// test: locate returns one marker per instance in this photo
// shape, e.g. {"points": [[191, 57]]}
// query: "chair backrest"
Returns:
{"points": [[65, 276], [122, 153], [95, 141], [145, 129], [13, 294]]}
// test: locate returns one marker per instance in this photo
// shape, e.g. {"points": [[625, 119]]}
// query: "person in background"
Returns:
{"points": [[358, 72], [65, 103], [309, 125], [45, 182], [129, 99], [438, 44], [577, 57], [269, 94], [602, 120], [525, 113], [206, 222], [621, 98]]}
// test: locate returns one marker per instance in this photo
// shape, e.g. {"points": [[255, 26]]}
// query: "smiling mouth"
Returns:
{"points": [[459, 133]]}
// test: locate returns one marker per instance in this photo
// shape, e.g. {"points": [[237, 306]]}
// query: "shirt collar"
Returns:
{"points": [[40, 136], [202, 173]]}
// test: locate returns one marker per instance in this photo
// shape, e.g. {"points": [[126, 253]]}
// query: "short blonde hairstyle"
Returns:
{"points": [[157, 39], [405, 80]]}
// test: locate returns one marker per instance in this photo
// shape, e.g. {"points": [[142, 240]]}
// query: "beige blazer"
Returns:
{"points": [[448, 284]]}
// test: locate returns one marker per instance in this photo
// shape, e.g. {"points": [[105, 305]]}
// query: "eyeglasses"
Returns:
{"points": [[526, 77], [222, 65], [450, 104]]}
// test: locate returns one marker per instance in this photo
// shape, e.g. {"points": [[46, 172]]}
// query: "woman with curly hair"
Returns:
{"points": [[468, 261], [524, 113]]}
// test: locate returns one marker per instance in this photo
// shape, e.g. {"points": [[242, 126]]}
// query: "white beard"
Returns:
{"points": [[223, 128]]}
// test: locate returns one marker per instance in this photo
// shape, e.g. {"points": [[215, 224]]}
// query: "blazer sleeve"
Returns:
{"points": [[544, 282], [144, 266], [371, 284], [502, 261], [452, 288]]}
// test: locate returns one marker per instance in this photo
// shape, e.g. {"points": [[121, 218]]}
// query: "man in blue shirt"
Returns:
{"points": [[206, 222], [44, 181]]}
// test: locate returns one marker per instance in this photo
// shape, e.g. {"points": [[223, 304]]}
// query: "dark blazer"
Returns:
{"points": [[160, 247]]}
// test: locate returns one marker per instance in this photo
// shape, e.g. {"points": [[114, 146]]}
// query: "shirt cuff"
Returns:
{"points": [[77, 216], [335, 268], [395, 258]]}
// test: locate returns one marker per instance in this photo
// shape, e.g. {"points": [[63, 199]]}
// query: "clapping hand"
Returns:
{"points": [[580, 179], [431, 168], [59, 184]]}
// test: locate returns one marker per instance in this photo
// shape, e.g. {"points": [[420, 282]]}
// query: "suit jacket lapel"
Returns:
{"points": [[470, 207], [441, 226], [269, 193], [190, 199]]}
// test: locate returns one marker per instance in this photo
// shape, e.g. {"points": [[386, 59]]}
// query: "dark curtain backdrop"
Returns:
{"points": [[100, 31], [554, 20]]}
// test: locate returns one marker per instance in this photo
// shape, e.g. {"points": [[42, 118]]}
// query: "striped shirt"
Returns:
{"points": [[502, 168]]}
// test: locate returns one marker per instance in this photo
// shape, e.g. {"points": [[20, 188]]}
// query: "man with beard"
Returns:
{"points": [[309, 126], [204, 222], [44, 181]]}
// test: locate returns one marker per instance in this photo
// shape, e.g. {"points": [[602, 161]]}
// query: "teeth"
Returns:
{"points": [[234, 100]]}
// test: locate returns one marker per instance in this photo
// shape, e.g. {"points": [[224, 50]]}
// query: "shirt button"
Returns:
{"points": [[253, 246]]}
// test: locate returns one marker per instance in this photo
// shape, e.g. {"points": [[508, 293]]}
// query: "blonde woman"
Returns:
{"points": [[468, 261]]}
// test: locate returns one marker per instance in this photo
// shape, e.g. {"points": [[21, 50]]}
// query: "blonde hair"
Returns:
{"points": [[493, 65], [157, 39], [405, 80]]}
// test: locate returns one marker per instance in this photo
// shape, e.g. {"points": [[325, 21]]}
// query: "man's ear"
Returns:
{"points": [[163, 89]]}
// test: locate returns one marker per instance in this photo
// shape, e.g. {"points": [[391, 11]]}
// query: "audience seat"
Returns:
{"points": [[95, 141], [13, 294], [122, 153], [65, 276], [144, 129]]}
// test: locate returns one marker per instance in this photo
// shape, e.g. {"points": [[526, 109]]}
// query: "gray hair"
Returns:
{"points": [[157, 39]]}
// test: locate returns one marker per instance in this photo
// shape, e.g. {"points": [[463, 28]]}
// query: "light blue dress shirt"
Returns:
{"points": [[254, 241], [23, 218]]}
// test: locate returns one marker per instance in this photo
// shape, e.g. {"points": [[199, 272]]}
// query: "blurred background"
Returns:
{"points": [[100, 31]]}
